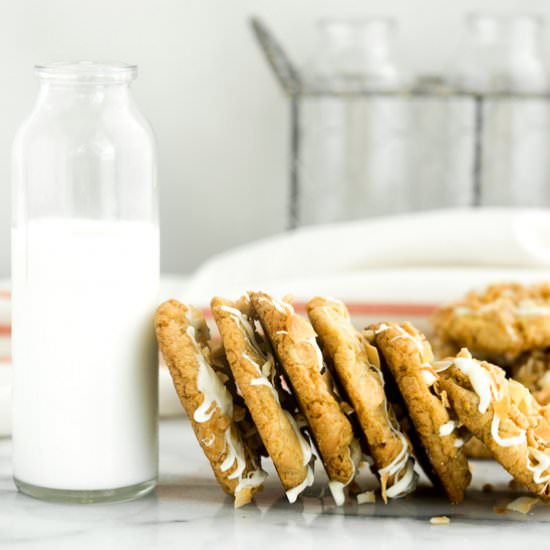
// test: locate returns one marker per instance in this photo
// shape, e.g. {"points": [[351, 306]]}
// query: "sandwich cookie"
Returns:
{"points": [[356, 365], [437, 445], [504, 415], [295, 346], [500, 323], [254, 370], [183, 338]]}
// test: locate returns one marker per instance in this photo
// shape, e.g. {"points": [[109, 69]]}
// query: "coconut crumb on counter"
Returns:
{"points": [[440, 520], [368, 497], [523, 505]]}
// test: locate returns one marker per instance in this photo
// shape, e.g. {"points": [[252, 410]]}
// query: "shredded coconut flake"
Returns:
{"points": [[440, 520], [368, 497], [523, 505]]}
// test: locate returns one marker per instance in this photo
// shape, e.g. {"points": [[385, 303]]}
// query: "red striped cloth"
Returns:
{"points": [[363, 313], [5, 324]]}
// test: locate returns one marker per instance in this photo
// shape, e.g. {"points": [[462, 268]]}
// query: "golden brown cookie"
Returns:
{"points": [[500, 323], [441, 347], [183, 336], [255, 373], [474, 448], [532, 369], [504, 415], [357, 367], [409, 358], [294, 343]]}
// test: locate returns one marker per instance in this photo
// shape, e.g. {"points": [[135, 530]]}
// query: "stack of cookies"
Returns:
{"points": [[507, 324], [293, 389]]}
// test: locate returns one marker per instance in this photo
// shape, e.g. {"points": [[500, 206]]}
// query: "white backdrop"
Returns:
{"points": [[220, 119]]}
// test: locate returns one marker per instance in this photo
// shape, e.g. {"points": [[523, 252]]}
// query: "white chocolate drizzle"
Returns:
{"points": [[337, 492], [215, 392], [295, 492], [280, 305], [318, 354], [403, 334], [402, 461], [265, 372], [529, 308], [234, 454], [542, 464], [305, 445], [447, 429], [507, 441], [428, 374], [480, 380], [406, 483], [254, 479], [483, 386]]}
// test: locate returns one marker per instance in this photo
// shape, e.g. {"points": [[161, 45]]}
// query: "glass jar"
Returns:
{"points": [[352, 148], [502, 61], [85, 272], [355, 55]]}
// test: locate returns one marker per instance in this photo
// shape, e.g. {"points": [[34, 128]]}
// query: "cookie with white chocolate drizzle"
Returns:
{"points": [[356, 365], [504, 415], [532, 369], [255, 372], [183, 339], [498, 323], [408, 357], [294, 343]]}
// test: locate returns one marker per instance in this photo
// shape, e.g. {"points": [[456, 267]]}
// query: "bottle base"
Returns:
{"points": [[120, 494]]}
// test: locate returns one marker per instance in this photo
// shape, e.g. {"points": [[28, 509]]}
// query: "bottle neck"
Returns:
{"points": [[85, 95], [525, 38]]}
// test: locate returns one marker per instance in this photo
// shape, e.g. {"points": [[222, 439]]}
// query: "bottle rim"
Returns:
{"points": [[536, 18], [87, 72], [357, 21]]}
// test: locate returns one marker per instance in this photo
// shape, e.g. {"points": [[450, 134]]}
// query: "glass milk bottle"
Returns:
{"points": [[85, 263], [352, 148]]}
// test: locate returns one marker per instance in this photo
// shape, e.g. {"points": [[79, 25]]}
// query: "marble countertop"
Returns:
{"points": [[189, 511]]}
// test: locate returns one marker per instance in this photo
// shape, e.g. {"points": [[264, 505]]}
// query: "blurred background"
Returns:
{"points": [[457, 93]]}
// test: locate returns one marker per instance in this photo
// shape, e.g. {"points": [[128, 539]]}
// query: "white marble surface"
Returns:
{"points": [[188, 511]]}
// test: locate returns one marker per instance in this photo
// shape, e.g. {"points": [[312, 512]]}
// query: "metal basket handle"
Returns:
{"points": [[282, 66]]}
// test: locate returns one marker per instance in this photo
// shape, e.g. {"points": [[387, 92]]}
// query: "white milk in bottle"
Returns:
{"points": [[85, 261]]}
